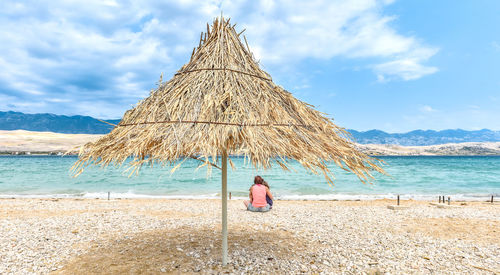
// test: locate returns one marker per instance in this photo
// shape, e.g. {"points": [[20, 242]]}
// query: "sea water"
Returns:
{"points": [[416, 177]]}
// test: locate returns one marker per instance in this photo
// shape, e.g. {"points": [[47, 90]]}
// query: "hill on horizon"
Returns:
{"points": [[54, 123], [425, 137], [88, 125]]}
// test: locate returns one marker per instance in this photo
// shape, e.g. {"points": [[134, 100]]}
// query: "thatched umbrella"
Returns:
{"points": [[221, 103]]}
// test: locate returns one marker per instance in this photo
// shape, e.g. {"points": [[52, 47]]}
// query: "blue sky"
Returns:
{"points": [[390, 65]]}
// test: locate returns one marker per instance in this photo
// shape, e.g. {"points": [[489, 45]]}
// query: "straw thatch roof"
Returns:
{"points": [[221, 100]]}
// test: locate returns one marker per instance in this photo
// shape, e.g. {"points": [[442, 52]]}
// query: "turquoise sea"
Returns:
{"points": [[420, 177]]}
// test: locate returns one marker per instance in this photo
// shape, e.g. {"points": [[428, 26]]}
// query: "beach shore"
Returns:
{"points": [[21, 142], [134, 236]]}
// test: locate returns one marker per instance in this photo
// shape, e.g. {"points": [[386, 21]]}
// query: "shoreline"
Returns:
{"points": [[327, 197], [372, 202], [82, 236]]}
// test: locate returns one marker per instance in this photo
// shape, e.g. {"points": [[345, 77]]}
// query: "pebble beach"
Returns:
{"points": [[159, 236]]}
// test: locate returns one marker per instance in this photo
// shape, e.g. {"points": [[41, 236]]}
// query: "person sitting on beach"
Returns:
{"points": [[257, 196], [268, 199]]}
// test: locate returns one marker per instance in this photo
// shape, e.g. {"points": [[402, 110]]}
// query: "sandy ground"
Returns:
{"points": [[27, 141], [139, 236]]}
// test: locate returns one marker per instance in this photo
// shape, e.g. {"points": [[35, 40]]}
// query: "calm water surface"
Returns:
{"points": [[418, 177]]}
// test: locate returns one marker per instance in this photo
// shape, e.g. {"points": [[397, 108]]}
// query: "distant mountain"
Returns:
{"points": [[90, 125], [427, 137], [54, 123]]}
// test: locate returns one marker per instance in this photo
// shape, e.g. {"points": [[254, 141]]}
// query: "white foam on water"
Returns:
{"points": [[290, 197], [38, 196], [131, 195], [350, 197]]}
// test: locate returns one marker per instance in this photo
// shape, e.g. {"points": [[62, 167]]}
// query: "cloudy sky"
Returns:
{"points": [[390, 65]]}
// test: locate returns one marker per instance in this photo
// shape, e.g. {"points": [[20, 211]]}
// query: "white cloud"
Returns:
{"points": [[495, 45], [112, 52], [427, 109], [407, 67], [288, 32], [57, 100], [301, 87]]}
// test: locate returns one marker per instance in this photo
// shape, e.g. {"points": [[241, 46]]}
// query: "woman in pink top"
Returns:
{"points": [[257, 195]]}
